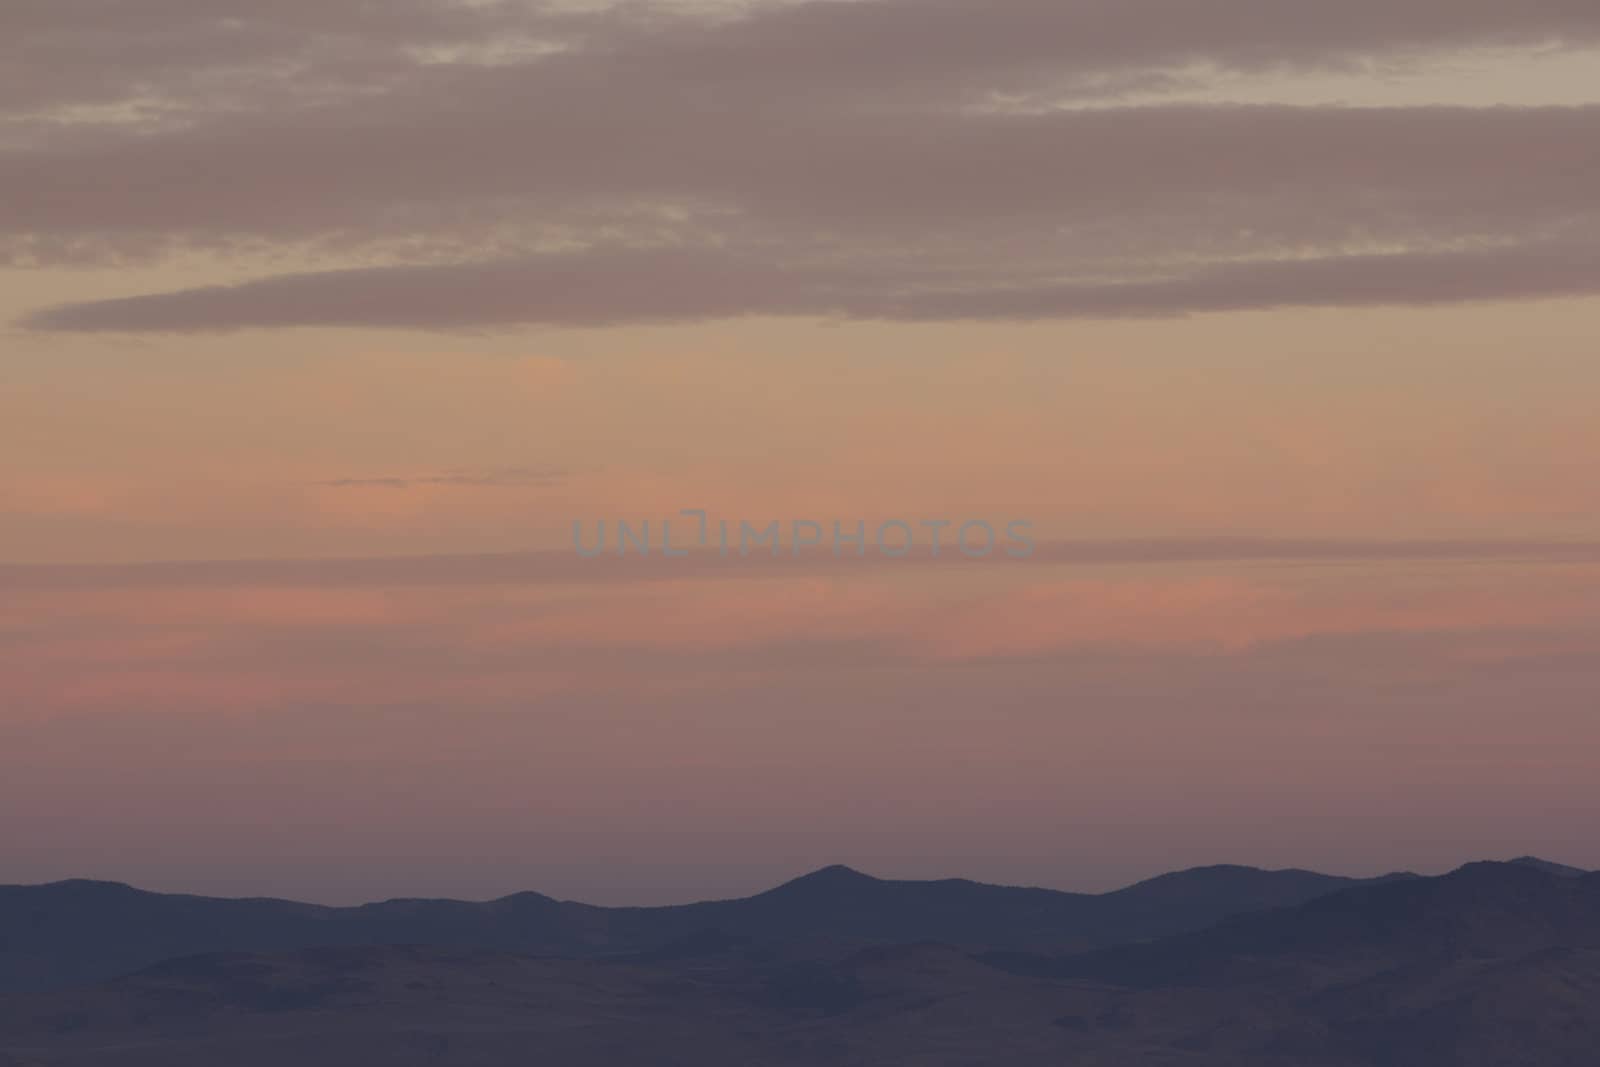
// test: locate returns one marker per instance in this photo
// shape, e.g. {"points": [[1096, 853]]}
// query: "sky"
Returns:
{"points": [[323, 325]]}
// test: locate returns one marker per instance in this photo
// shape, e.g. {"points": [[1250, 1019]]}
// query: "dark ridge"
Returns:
{"points": [[1558, 869], [77, 932], [830, 879], [1484, 910]]}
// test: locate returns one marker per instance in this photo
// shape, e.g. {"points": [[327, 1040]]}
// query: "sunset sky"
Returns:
{"points": [[323, 322]]}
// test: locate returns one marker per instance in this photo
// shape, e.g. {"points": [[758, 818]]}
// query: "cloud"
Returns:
{"points": [[73, 51], [607, 289], [256, 643], [506, 478], [1069, 187], [590, 288], [568, 568], [203, 56], [509, 164]]}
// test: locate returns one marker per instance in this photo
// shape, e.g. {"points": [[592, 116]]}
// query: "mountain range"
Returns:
{"points": [[1492, 965], [70, 933]]}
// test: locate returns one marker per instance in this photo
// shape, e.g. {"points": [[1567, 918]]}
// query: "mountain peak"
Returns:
{"points": [[90, 885], [832, 878], [1560, 870], [837, 872]]}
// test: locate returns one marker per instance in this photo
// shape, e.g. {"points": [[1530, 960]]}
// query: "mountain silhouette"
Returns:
{"points": [[1560, 869], [70, 933], [1492, 965], [1480, 911]]}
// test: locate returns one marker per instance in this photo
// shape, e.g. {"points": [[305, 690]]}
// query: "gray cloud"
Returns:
{"points": [[586, 288], [598, 289], [74, 51], [200, 56], [813, 159]]}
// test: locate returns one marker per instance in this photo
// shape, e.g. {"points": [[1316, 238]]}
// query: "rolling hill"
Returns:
{"points": [[1493, 965], [70, 933]]}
